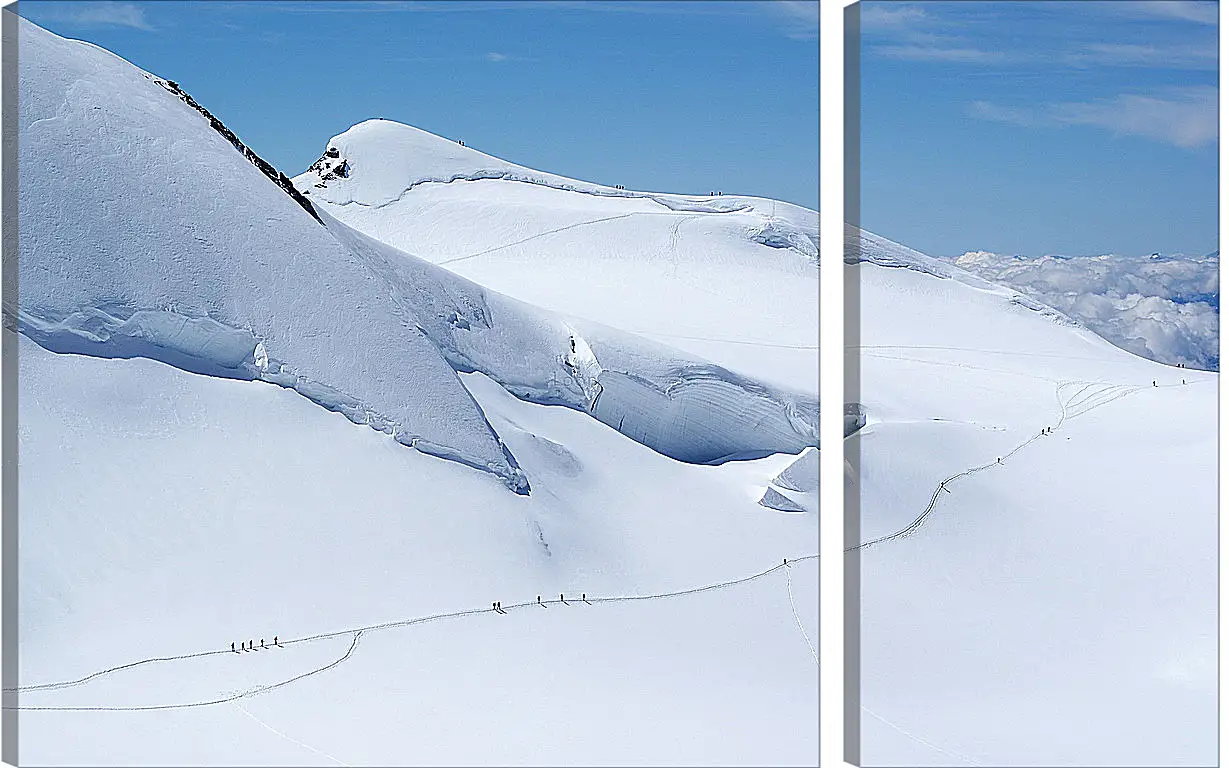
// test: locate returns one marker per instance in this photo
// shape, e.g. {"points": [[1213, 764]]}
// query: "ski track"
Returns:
{"points": [[789, 590], [749, 343], [357, 632], [291, 739], [674, 240], [1080, 403], [1090, 396], [950, 364], [919, 739], [1012, 353], [522, 241], [212, 702]]}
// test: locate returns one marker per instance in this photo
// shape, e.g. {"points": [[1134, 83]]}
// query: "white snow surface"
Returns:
{"points": [[173, 501], [1057, 605], [729, 278], [200, 511], [678, 404], [143, 232], [166, 272]]}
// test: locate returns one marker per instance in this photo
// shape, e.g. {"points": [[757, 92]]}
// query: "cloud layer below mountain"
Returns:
{"points": [[1165, 308]]}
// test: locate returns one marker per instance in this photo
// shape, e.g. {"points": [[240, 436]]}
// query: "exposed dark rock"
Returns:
{"points": [[276, 176]]}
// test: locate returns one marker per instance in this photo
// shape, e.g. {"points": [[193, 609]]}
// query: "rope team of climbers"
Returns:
{"points": [[355, 633]]}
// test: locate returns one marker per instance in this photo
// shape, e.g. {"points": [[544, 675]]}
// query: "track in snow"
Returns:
{"points": [[210, 702], [357, 632], [919, 739], [1081, 402], [808, 347], [547, 232], [291, 739], [789, 590]]}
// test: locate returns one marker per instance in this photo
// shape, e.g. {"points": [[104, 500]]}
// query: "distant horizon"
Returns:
{"points": [[668, 97], [1163, 254]]}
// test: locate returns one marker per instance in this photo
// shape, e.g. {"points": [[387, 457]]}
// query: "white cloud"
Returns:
{"points": [[938, 53], [493, 56], [1187, 118], [1183, 117], [102, 14], [801, 16], [941, 33], [986, 110], [882, 17], [1131, 55], [1178, 10], [1163, 308]]}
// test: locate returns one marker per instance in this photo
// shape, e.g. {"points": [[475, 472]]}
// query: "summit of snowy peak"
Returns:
{"points": [[745, 268], [390, 157], [384, 160]]}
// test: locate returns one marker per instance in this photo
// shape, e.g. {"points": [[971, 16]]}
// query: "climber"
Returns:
{"points": [[275, 641], [262, 642], [232, 646]]}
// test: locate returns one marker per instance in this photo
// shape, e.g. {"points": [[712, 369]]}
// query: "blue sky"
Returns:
{"points": [[681, 97], [1034, 128]]}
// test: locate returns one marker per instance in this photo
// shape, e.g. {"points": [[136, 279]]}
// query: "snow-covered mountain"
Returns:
{"points": [[193, 331], [732, 279], [1039, 517]]}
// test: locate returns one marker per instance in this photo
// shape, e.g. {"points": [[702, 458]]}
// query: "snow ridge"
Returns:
{"points": [[275, 175], [151, 263], [390, 159], [327, 172], [864, 247], [155, 266]]}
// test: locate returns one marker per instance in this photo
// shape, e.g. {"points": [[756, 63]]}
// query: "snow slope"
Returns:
{"points": [[1027, 599], [201, 511], [228, 297], [173, 502], [678, 404], [143, 232], [733, 279]]}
